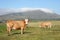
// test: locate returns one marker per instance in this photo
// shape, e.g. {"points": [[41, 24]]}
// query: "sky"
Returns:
{"points": [[50, 4]]}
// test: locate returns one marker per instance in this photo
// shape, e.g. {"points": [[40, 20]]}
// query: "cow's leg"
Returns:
{"points": [[44, 26], [22, 30], [49, 26], [8, 30]]}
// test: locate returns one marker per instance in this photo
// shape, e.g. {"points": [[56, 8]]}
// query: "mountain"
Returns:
{"points": [[31, 14]]}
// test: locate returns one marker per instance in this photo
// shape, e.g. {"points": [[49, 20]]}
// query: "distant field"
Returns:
{"points": [[33, 32]]}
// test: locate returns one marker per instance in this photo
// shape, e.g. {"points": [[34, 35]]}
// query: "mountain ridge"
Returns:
{"points": [[35, 14], [13, 10]]}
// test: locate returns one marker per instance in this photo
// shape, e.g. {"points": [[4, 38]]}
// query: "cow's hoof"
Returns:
{"points": [[8, 34]]}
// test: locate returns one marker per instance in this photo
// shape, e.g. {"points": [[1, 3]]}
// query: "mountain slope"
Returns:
{"points": [[35, 14]]}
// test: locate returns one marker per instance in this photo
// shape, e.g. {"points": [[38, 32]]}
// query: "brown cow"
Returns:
{"points": [[16, 25], [45, 24]]}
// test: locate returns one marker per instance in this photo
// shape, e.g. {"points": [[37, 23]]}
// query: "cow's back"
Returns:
{"points": [[20, 23], [15, 24], [9, 23], [44, 24]]}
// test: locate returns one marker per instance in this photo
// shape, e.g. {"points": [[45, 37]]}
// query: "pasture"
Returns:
{"points": [[33, 32]]}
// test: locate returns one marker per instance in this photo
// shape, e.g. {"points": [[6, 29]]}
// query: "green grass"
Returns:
{"points": [[33, 32]]}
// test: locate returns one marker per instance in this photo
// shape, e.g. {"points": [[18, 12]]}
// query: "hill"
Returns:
{"points": [[32, 14]]}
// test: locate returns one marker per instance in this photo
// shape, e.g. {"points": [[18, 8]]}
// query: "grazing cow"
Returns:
{"points": [[45, 24], [16, 25]]}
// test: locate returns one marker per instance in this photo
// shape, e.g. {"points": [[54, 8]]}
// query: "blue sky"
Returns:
{"points": [[50, 4]]}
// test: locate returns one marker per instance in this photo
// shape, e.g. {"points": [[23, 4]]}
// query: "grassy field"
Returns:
{"points": [[33, 32]]}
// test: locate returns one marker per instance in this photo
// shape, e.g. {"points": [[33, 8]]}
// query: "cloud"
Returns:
{"points": [[46, 10], [10, 10], [42, 9]]}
